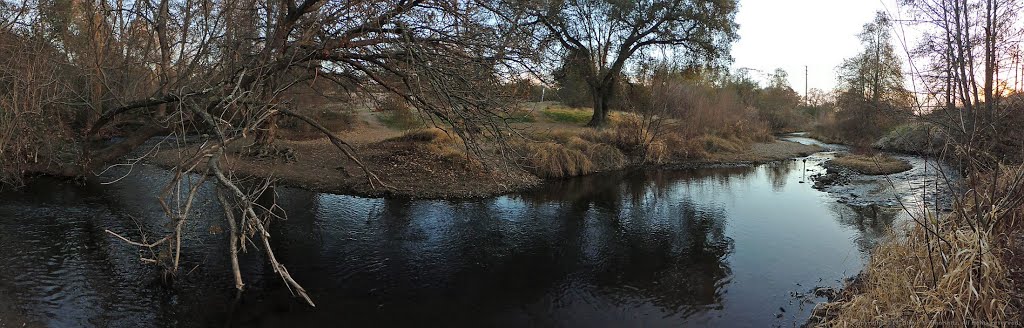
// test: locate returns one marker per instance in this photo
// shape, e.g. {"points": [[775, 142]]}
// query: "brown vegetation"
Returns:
{"points": [[962, 268], [877, 164], [958, 269]]}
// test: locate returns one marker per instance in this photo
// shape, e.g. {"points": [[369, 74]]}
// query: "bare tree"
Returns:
{"points": [[872, 94], [967, 46], [219, 73]]}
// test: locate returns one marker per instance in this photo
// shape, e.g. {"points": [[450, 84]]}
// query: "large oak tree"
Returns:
{"points": [[601, 37]]}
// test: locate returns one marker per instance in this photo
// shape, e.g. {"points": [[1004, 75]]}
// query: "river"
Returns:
{"points": [[730, 246]]}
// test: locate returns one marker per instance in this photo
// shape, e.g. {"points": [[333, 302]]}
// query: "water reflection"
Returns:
{"points": [[718, 246], [871, 221]]}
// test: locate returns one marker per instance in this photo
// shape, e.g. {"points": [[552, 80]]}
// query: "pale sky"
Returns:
{"points": [[789, 34]]}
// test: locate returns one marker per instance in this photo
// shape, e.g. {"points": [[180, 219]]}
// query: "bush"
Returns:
{"points": [[914, 138], [680, 148], [657, 153], [552, 160], [604, 157], [334, 120]]}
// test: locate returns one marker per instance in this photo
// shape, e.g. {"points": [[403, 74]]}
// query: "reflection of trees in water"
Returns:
{"points": [[652, 243], [599, 190], [526, 250], [672, 254], [778, 172], [872, 221], [434, 260]]}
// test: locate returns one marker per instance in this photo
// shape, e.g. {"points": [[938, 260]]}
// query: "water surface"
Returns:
{"points": [[738, 246]]}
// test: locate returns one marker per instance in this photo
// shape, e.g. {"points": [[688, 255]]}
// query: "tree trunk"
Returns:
{"points": [[602, 96]]}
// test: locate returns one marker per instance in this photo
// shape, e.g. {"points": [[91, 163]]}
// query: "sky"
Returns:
{"points": [[790, 34]]}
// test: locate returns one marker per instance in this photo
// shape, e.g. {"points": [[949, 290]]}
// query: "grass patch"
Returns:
{"points": [[568, 115], [398, 115], [715, 144], [877, 164], [427, 135], [553, 160], [401, 120], [520, 116]]}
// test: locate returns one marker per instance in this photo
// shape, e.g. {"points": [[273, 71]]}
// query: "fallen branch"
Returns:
{"points": [[250, 214], [154, 244]]}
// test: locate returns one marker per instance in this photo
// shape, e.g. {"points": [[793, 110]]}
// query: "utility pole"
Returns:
{"points": [[807, 74]]}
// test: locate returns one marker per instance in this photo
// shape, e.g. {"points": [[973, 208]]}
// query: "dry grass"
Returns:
{"points": [[427, 135], [877, 164], [684, 149], [553, 160], [604, 157], [716, 144], [439, 142], [956, 270], [657, 153], [970, 284], [565, 153]]}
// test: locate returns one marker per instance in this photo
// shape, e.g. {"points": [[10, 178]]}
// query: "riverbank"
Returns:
{"points": [[429, 163], [957, 260], [426, 170], [677, 241]]}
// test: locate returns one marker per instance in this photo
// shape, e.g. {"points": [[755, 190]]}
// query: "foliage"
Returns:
{"points": [[778, 104]]}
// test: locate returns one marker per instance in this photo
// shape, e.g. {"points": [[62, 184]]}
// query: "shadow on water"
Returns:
{"points": [[721, 246]]}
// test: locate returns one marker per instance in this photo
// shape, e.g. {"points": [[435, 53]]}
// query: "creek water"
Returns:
{"points": [[728, 246]]}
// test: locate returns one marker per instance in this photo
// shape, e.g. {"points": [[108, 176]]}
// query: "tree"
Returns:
{"points": [[872, 91], [572, 84], [968, 45], [874, 75], [221, 71], [604, 35], [778, 102]]}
